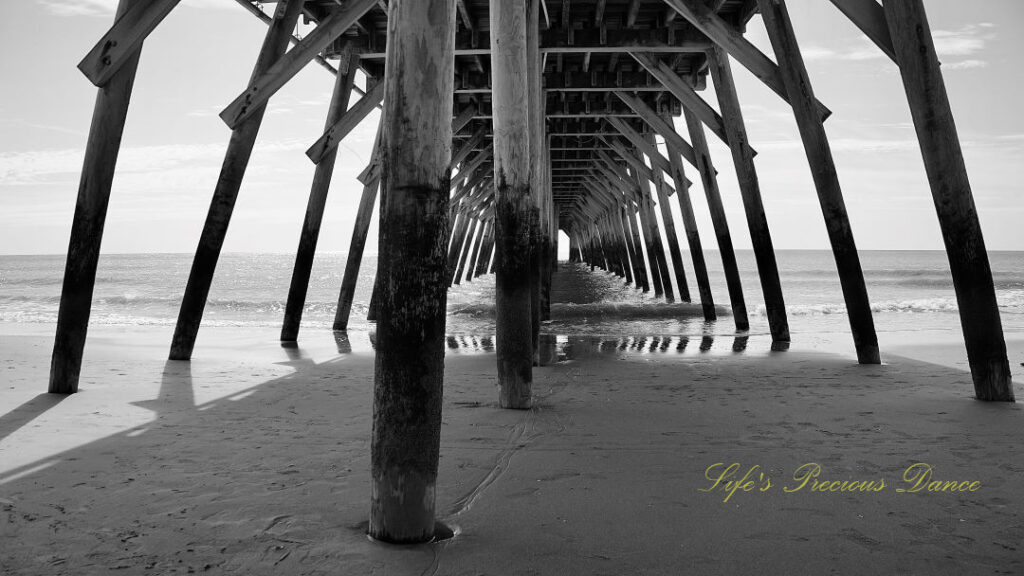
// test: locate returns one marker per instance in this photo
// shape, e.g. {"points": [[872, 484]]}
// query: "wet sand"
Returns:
{"points": [[253, 459]]}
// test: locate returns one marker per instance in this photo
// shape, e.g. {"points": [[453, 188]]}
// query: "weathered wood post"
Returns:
{"points": [[638, 250], [474, 257], [718, 218], [700, 269], [613, 250], [236, 160], [409, 369], [101, 149], [954, 201], [458, 236], [651, 242], [355, 255], [634, 261], [513, 201], [616, 244], [535, 277], [297, 290], [670, 227], [538, 254], [604, 248], [485, 252], [364, 213], [549, 261], [826, 181], [467, 246], [750, 190], [624, 249]]}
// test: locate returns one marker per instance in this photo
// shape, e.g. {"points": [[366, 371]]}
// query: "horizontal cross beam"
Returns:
{"points": [[666, 40]]}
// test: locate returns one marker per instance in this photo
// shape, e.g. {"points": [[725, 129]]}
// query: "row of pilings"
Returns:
{"points": [[507, 209]]}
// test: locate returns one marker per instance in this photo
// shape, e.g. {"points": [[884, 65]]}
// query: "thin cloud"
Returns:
{"points": [[32, 167], [966, 65], [108, 7], [80, 7], [865, 145], [951, 45], [46, 127], [966, 41]]}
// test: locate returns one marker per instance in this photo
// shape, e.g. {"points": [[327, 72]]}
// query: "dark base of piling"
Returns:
{"points": [[992, 381], [869, 355]]}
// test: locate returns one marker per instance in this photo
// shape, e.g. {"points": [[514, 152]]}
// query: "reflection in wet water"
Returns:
{"points": [[462, 343], [342, 342], [739, 344], [706, 343], [558, 348]]}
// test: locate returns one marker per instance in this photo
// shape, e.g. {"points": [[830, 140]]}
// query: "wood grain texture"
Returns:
{"points": [[954, 201], [416, 151], [826, 179], [101, 152]]}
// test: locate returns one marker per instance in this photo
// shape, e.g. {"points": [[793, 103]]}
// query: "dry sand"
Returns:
{"points": [[253, 459]]}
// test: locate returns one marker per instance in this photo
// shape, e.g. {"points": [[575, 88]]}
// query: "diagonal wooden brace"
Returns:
{"points": [[681, 90], [349, 120], [869, 16], [652, 152], [266, 84], [720, 32], [123, 39], [660, 125], [631, 158]]}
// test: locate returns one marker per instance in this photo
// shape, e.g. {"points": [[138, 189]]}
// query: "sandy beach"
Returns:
{"points": [[253, 459]]}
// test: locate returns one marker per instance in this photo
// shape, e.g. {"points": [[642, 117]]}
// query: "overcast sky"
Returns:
{"points": [[201, 57]]}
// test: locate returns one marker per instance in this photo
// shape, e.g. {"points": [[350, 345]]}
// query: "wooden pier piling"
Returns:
{"points": [[101, 150], [743, 159], [317, 202], [513, 201], [826, 181], [718, 217], [364, 213], [670, 227], [236, 160], [415, 178], [954, 201]]}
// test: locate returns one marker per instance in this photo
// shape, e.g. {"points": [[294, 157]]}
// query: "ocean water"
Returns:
{"points": [[909, 290]]}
